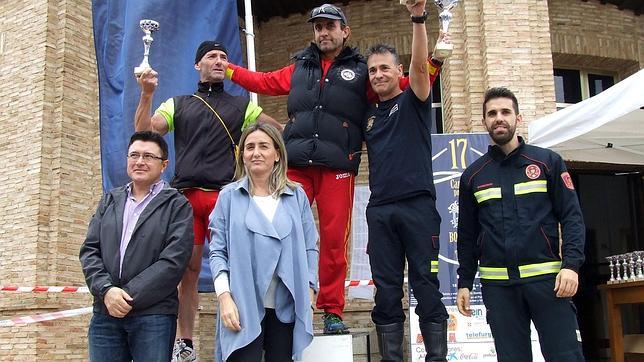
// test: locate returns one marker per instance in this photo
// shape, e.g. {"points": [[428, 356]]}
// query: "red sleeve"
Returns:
{"points": [[275, 83], [433, 69], [371, 95]]}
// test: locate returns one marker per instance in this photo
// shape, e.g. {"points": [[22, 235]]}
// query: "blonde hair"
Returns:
{"points": [[278, 180]]}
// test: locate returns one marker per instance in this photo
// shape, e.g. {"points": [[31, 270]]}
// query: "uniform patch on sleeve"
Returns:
{"points": [[431, 69], [567, 180]]}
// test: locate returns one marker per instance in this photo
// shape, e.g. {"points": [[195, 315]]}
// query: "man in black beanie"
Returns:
{"points": [[207, 125]]}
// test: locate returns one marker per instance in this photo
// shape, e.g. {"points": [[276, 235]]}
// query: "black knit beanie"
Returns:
{"points": [[207, 46]]}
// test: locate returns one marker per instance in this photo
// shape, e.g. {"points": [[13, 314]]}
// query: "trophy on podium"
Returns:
{"points": [[444, 50], [148, 26]]}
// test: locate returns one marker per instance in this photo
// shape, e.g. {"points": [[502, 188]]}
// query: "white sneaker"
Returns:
{"points": [[182, 353]]}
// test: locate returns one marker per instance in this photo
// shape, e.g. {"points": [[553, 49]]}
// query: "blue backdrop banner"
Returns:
{"points": [[119, 48]]}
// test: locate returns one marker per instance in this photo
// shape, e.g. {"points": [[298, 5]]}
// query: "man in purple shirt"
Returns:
{"points": [[137, 247]]}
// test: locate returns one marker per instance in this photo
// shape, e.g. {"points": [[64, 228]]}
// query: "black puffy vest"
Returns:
{"points": [[325, 123]]}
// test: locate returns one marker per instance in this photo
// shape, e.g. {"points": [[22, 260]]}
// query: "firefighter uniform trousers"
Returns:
{"points": [[405, 229], [509, 311]]}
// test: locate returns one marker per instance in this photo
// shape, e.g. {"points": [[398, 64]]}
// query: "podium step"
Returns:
{"points": [[356, 346]]}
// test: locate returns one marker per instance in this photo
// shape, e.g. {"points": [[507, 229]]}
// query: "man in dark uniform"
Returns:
{"points": [[207, 126], [401, 215], [513, 201]]}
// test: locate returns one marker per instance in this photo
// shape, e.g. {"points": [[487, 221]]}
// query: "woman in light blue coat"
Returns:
{"points": [[263, 256]]}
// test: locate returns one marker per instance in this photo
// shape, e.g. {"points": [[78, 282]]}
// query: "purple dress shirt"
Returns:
{"points": [[131, 213]]}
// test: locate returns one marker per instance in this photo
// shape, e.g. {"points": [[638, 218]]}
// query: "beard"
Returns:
{"points": [[328, 46], [503, 138]]}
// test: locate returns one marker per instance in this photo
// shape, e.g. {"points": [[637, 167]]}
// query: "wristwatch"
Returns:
{"points": [[419, 19], [437, 61]]}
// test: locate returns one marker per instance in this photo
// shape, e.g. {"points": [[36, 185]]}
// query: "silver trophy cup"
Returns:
{"points": [[444, 50], [148, 26]]}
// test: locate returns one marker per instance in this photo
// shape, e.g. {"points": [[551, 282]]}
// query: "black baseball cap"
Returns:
{"points": [[328, 11]]}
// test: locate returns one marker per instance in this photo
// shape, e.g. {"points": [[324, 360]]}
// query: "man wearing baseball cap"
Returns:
{"points": [[327, 87], [207, 125]]}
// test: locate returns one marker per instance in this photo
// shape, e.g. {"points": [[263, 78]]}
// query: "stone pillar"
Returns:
{"points": [[50, 162], [498, 43]]}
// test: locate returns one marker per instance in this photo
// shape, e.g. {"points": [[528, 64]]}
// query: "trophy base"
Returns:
{"points": [[139, 70], [443, 50]]}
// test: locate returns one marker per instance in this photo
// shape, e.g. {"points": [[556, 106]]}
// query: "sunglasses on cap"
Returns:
{"points": [[328, 11]]}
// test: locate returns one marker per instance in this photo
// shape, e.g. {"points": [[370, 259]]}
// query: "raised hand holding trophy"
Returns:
{"points": [[444, 50], [148, 26]]}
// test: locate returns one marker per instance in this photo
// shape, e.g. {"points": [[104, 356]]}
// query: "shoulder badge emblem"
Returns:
{"points": [[533, 172], [567, 180]]}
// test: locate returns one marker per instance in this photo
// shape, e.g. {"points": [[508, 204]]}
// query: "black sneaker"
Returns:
{"points": [[333, 324]]}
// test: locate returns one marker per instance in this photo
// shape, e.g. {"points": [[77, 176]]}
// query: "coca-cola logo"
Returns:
{"points": [[468, 356], [457, 354]]}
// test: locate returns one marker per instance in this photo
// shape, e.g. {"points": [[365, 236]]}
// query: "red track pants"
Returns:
{"points": [[332, 191]]}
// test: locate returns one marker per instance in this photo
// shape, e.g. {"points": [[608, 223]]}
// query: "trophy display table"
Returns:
{"points": [[616, 295]]}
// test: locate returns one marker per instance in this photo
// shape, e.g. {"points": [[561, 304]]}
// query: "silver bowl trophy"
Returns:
{"points": [[444, 50], [148, 26]]}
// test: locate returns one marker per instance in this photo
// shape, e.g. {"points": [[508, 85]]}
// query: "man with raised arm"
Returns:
{"points": [[402, 218], [207, 125]]}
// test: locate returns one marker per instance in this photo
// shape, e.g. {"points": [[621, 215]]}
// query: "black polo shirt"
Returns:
{"points": [[399, 145]]}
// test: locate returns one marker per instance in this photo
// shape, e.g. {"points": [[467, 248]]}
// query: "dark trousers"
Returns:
{"points": [[139, 338], [275, 340], [510, 310], [405, 229]]}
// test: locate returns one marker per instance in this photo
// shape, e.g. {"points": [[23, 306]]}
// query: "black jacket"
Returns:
{"points": [[155, 259], [324, 126], [510, 209]]}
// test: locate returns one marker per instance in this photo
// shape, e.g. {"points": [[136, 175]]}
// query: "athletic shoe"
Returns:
{"points": [[333, 324]]}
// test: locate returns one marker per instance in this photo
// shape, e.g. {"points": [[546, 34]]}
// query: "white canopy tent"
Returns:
{"points": [[608, 127]]}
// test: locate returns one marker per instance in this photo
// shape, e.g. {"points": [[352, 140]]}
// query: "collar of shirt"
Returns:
{"points": [[154, 190], [498, 155]]}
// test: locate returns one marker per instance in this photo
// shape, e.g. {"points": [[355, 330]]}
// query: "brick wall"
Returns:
{"points": [[50, 162], [590, 36], [49, 149]]}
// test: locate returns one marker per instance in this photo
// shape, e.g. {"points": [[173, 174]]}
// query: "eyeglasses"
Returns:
{"points": [[147, 157]]}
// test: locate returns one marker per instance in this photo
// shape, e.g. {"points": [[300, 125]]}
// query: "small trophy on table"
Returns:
{"points": [[148, 27]]}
